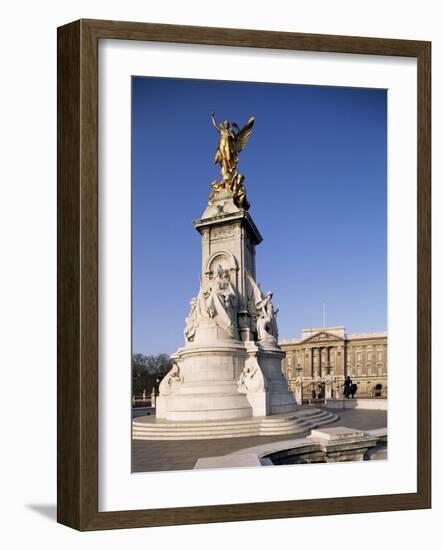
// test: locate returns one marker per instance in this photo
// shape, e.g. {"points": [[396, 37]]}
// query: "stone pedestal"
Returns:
{"points": [[228, 239], [224, 380], [204, 385], [230, 366]]}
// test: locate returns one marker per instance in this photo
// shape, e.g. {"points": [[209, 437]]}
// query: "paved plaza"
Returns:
{"points": [[149, 456]]}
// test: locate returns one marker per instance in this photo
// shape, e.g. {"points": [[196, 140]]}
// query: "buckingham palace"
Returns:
{"points": [[317, 363]]}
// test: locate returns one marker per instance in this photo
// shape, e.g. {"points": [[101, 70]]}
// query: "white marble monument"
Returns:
{"points": [[230, 366]]}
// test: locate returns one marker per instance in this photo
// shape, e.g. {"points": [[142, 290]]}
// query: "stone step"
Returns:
{"points": [[300, 416], [296, 428], [285, 424], [269, 420], [193, 436], [299, 421], [219, 435], [262, 423], [308, 422]]}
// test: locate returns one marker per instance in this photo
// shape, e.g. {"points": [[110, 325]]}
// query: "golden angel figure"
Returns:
{"points": [[232, 140]]}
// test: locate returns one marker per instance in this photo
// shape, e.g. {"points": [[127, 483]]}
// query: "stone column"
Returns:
{"points": [[316, 371], [340, 361], [339, 370]]}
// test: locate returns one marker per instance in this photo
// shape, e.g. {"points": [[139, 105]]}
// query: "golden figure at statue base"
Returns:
{"points": [[235, 187]]}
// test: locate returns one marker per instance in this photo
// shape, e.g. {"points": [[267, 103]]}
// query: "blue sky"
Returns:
{"points": [[316, 178]]}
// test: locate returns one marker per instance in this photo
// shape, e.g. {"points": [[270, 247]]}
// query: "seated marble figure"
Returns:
{"points": [[216, 301]]}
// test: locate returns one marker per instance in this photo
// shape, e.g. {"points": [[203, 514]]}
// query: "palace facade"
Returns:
{"points": [[317, 363]]}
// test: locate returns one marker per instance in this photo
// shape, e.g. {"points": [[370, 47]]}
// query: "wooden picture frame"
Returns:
{"points": [[77, 462]]}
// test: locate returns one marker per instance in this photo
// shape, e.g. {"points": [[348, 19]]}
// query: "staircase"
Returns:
{"points": [[150, 428]]}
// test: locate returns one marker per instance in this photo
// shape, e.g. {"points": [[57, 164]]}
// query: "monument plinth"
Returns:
{"points": [[226, 369], [230, 366], [229, 237]]}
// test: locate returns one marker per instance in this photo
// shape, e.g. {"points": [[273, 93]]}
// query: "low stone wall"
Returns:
{"points": [[368, 404], [338, 444]]}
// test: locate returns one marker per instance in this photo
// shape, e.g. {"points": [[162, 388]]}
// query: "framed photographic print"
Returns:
{"points": [[243, 275]]}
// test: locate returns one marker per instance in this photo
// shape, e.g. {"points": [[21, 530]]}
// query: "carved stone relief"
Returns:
{"points": [[172, 379], [251, 379]]}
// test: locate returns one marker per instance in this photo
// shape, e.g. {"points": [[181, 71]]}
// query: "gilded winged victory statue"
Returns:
{"points": [[232, 140]]}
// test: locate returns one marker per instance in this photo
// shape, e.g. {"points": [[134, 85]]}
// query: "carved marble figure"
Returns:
{"points": [[191, 322], [172, 378], [251, 378], [261, 306], [217, 301]]}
